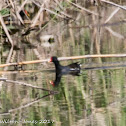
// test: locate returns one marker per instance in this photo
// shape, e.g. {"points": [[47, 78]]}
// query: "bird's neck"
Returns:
{"points": [[57, 64]]}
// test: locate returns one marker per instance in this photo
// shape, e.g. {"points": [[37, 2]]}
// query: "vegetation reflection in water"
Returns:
{"points": [[95, 92], [96, 97]]}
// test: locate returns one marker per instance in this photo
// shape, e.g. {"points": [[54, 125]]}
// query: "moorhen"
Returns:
{"points": [[73, 69]]}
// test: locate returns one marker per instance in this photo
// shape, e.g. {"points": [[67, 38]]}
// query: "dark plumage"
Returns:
{"points": [[73, 69]]}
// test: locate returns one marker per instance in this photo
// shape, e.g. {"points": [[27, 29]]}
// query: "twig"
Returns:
{"points": [[66, 58], [37, 54], [9, 57], [34, 21], [11, 4], [6, 31], [29, 104], [55, 13], [50, 11], [83, 8], [114, 4], [28, 85], [115, 33], [19, 17], [112, 14], [65, 14], [93, 56], [26, 105], [23, 63], [22, 6], [59, 4], [9, 37]]}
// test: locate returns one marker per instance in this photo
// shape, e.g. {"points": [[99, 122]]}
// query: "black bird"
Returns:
{"points": [[73, 69]]}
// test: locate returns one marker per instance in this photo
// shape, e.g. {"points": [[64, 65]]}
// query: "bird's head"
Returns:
{"points": [[53, 59]]}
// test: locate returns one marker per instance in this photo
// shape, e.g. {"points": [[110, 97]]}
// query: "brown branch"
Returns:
{"points": [[65, 58], [115, 33], [24, 63], [28, 85], [82, 8], [114, 4], [112, 14], [26, 105]]}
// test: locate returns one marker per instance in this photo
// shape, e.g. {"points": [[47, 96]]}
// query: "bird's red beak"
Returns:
{"points": [[52, 83], [50, 60]]}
